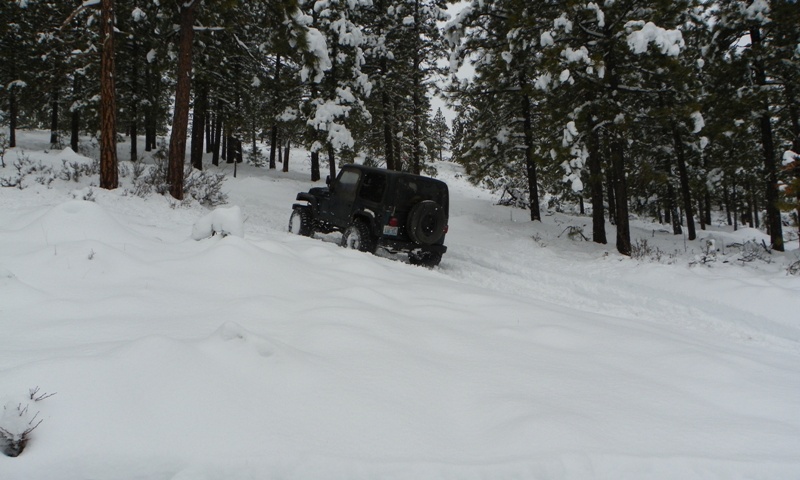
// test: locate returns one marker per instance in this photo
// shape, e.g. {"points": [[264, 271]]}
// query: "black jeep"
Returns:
{"points": [[378, 208]]}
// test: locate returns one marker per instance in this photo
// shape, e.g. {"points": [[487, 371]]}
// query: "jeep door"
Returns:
{"points": [[339, 210]]}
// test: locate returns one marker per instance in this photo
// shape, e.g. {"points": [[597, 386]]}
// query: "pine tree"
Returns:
{"points": [[746, 34], [440, 136]]}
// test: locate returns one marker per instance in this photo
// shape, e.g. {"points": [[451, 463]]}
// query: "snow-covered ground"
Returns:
{"points": [[526, 355]]}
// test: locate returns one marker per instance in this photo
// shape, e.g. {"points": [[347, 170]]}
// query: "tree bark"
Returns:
{"points": [[612, 200], [274, 134], [770, 168], [315, 175], [180, 119], [286, 156], [621, 184], [218, 120], [54, 118], [199, 128], [13, 113], [332, 161], [134, 105], [596, 186], [388, 143], [530, 163], [109, 177], [75, 125], [686, 193], [794, 117]]}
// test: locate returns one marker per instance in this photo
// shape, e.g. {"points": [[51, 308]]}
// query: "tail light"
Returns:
{"points": [[446, 228], [393, 222]]}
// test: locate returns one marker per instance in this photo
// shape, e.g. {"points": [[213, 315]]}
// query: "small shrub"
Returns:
{"points": [[75, 170], [752, 251], [642, 250], [204, 186], [575, 233], [26, 167], [793, 268], [514, 197], [18, 421]]}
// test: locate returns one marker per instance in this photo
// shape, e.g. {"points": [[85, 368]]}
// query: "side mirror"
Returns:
{"points": [[329, 183]]}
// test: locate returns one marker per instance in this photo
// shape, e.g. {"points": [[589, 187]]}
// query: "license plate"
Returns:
{"points": [[387, 230]]}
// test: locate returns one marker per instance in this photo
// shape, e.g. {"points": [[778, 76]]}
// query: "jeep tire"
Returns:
{"points": [[300, 222], [426, 222], [358, 237]]}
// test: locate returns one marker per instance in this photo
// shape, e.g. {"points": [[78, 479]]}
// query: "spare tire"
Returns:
{"points": [[426, 222]]}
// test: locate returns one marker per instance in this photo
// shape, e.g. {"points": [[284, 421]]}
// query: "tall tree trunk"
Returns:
{"points": [[596, 185], [218, 121], [274, 134], [794, 117], [254, 139], [180, 119], [735, 202], [286, 156], [199, 127], [332, 161], [134, 105], [109, 177], [623, 226], [770, 168], [672, 210], [686, 193], [315, 175], [700, 215], [416, 130], [13, 113], [211, 119], [612, 199], [134, 127], [530, 163], [54, 118], [388, 136], [75, 124]]}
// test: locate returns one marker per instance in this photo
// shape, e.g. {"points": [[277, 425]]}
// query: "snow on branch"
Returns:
{"points": [[669, 42]]}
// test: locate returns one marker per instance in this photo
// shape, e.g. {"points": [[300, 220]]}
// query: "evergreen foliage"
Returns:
{"points": [[671, 109]]}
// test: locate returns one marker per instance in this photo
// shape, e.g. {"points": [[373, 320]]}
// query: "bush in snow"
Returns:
{"points": [[514, 197], [42, 174], [205, 187], [75, 170], [793, 268], [45, 174], [18, 421], [642, 250], [752, 251]]}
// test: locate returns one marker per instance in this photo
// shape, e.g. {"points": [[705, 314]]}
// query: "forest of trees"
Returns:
{"points": [[673, 109]]}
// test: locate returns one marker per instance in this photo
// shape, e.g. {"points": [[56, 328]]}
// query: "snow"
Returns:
{"points": [[526, 354], [698, 121], [223, 221], [669, 42]]}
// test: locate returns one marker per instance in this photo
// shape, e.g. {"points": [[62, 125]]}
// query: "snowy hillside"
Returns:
{"points": [[527, 355]]}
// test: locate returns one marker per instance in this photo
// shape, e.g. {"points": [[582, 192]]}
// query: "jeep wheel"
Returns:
{"points": [[426, 222], [300, 222], [358, 237], [425, 259]]}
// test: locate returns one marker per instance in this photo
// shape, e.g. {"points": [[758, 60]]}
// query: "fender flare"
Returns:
{"points": [[307, 197]]}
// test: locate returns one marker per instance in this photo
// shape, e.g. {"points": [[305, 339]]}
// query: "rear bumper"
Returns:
{"points": [[399, 245]]}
